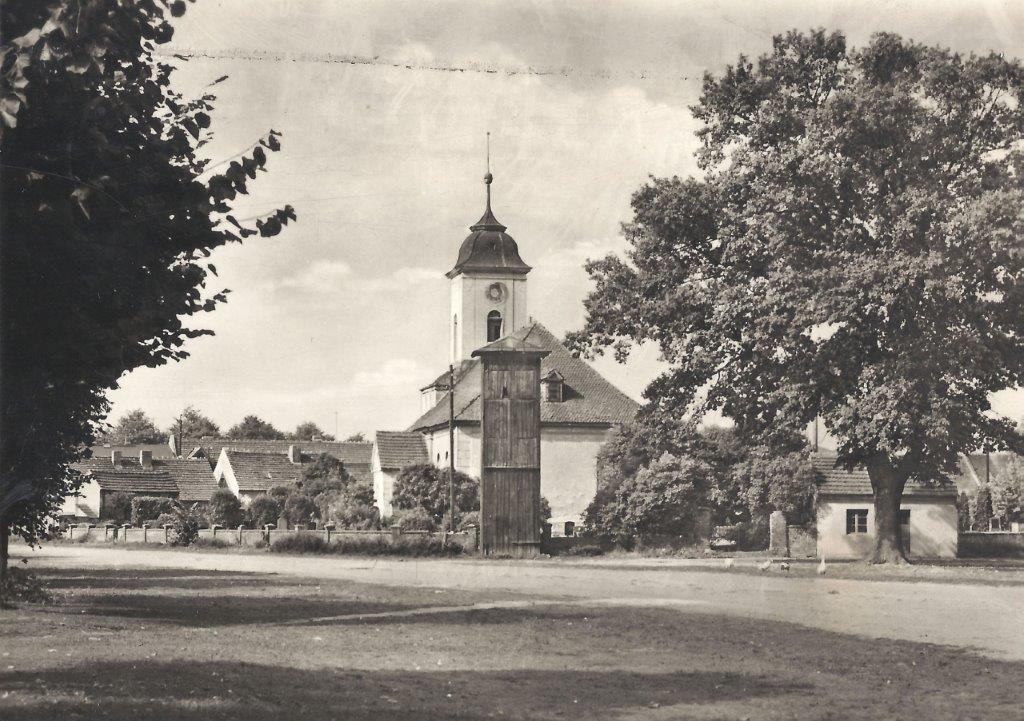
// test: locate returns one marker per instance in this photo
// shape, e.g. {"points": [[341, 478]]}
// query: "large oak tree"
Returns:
{"points": [[852, 251], [108, 216]]}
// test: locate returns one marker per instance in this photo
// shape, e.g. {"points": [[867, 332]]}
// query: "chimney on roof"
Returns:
{"points": [[146, 460], [115, 458], [295, 455]]}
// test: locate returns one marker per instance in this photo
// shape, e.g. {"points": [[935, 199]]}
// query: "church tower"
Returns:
{"points": [[488, 286]]}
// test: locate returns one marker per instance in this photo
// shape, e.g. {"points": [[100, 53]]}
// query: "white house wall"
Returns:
{"points": [[86, 504], [383, 485], [932, 532], [225, 476]]}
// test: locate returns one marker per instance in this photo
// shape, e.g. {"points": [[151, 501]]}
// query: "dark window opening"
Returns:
{"points": [[493, 326], [857, 520], [904, 516]]}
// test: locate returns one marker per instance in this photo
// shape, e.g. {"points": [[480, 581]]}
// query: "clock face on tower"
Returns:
{"points": [[496, 292]]}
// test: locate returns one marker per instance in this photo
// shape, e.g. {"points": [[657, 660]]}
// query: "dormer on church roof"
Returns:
{"points": [[488, 248]]}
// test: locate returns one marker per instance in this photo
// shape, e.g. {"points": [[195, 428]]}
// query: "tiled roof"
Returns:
{"points": [[442, 380], [259, 471], [587, 396], [352, 453], [129, 477], [840, 482], [159, 450], [191, 479], [193, 476], [398, 449]]}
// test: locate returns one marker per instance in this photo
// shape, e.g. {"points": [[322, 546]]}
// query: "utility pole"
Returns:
{"points": [[451, 447]]}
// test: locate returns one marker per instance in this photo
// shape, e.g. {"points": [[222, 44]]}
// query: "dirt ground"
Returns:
{"points": [[180, 643]]}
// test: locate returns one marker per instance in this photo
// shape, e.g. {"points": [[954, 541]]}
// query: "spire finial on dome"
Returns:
{"points": [[488, 221], [488, 178]]}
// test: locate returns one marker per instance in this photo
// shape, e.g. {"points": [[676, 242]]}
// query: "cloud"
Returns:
{"points": [[337, 277]]}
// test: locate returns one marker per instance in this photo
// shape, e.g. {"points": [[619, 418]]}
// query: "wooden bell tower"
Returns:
{"points": [[510, 523]]}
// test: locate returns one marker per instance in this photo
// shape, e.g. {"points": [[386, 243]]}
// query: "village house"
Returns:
{"points": [[251, 468], [188, 480], [579, 408], [354, 454], [393, 451], [845, 514]]}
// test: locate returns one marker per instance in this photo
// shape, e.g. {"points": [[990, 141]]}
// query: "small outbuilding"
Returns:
{"points": [[393, 451], [845, 514]]}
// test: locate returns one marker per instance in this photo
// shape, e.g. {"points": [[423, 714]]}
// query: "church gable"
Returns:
{"points": [[586, 396]]}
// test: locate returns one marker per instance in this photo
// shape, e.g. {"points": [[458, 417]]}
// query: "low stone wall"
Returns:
{"points": [[245, 537], [991, 544]]}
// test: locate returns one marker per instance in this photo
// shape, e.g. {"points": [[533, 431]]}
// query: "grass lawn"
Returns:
{"points": [[175, 644]]}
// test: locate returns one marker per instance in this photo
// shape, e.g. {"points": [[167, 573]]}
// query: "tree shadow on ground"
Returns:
{"points": [[137, 579], [205, 611], [207, 691], [454, 615]]}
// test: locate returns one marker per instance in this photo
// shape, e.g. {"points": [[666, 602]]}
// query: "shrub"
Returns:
{"points": [[414, 519], [225, 509], [164, 519], [300, 543], [280, 493], [212, 543], [19, 585], [588, 549], [750, 535], [347, 513], [981, 509], [469, 519], [371, 546], [186, 524], [118, 507], [425, 486], [299, 508], [326, 473], [147, 508], [264, 510], [660, 500]]}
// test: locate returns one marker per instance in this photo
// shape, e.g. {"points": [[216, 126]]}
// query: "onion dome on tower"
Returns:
{"points": [[488, 248]]}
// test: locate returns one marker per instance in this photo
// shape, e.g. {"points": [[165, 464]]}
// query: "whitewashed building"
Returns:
{"points": [[845, 515], [488, 287], [393, 451]]}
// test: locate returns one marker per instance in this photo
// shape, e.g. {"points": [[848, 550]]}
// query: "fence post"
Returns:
{"points": [[778, 534]]}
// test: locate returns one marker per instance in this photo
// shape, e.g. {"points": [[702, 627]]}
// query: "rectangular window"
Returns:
{"points": [[856, 520], [904, 516]]}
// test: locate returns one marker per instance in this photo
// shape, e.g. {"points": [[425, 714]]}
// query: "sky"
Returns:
{"points": [[384, 109]]}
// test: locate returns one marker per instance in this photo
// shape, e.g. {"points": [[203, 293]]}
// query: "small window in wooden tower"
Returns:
{"points": [[493, 326], [552, 387]]}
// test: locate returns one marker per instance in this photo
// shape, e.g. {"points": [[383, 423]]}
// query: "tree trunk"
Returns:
{"points": [[5, 533], [887, 484]]}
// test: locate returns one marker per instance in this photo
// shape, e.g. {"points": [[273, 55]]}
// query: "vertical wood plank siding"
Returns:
{"points": [[510, 459]]}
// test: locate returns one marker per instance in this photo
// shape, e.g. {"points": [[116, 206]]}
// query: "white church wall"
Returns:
{"points": [[568, 471]]}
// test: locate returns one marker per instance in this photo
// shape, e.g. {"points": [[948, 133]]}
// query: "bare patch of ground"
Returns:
{"points": [[191, 645]]}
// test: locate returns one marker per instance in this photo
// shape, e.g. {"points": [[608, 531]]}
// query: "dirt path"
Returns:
{"points": [[988, 619]]}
